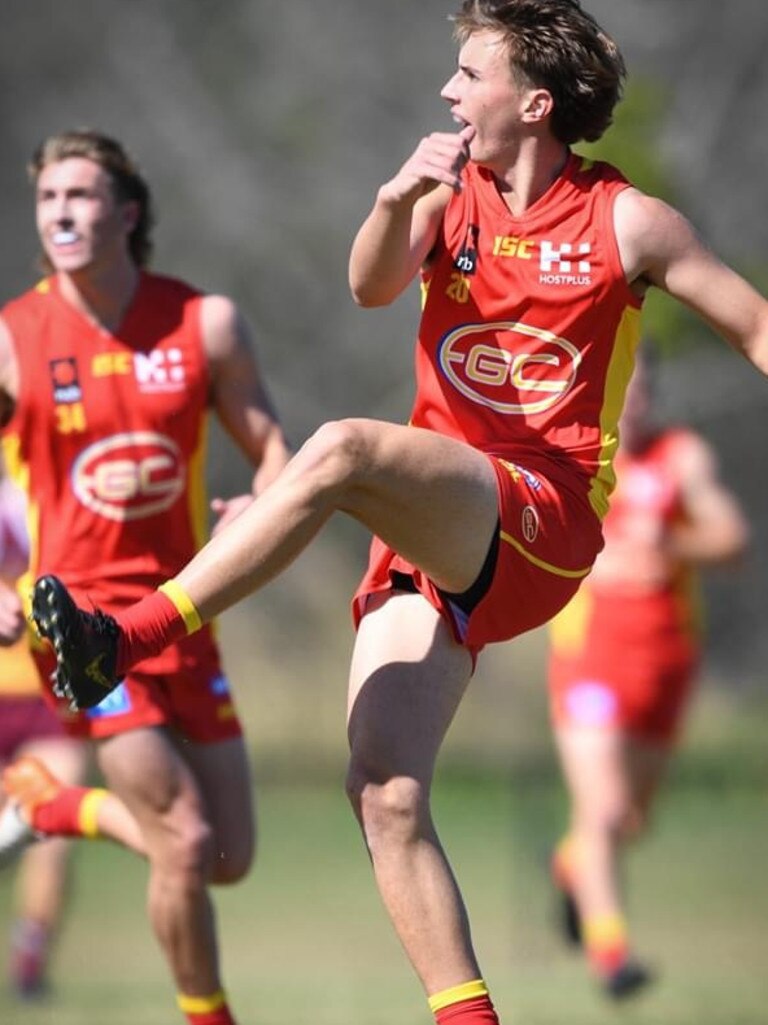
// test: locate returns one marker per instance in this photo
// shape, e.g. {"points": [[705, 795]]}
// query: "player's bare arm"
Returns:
{"points": [[401, 229], [660, 247], [715, 530], [240, 397]]}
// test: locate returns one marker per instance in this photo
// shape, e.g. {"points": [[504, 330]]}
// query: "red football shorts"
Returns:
{"points": [[184, 688], [24, 718], [548, 539], [632, 670]]}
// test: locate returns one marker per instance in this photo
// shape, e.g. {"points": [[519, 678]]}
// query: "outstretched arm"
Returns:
{"points": [[401, 229], [660, 247], [715, 530]]}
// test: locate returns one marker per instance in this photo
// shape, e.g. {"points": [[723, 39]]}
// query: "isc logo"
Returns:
{"points": [[509, 366], [129, 476]]}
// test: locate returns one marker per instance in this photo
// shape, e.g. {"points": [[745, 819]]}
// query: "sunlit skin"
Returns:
{"points": [[501, 108], [84, 230]]}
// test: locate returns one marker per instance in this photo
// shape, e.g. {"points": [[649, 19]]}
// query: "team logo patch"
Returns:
{"points": [[508, 366], [219, 686], [161, 370], [64, 380], [129, 476], [466, 261], [565, 263], [117, 702], [530, 523], [520, 473]]}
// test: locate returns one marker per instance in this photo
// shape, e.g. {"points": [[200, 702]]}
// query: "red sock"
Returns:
{"points": [[475, 1011], [606, 942], [71, 812], [465, 1004], [213, 1010], [147, 628]]}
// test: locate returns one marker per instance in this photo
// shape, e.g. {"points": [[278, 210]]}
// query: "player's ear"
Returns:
{"points": [[131, 213], [538, 106]]}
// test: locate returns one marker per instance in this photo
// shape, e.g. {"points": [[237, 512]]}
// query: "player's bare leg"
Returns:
{"points": [[407, 679], [145, 770], [596, 772], [429, 497], [42, 882]]}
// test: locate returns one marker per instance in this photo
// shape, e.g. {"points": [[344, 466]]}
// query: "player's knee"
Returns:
{"points": [[636, 822], [335, 453], [232, 864], [185, 851], [610, 816], [392, 811]]}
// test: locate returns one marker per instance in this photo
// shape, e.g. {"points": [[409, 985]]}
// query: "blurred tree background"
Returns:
{"points": [[265, 128]]}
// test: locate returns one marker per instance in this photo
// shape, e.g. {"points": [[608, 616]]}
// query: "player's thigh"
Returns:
{"points": [[66, 757], [432, 498], [224, 775], [407, 678], [145, 770], [595, 770]]}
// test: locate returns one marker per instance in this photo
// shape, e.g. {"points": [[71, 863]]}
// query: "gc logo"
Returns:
{"points": [[509, 366], [129, 476]]}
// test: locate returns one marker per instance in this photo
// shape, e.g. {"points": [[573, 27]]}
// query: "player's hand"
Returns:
{"points": [[228, 509], [438, 160], [12, 620]]}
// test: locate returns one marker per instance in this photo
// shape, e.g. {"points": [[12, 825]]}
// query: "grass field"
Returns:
{"points": [[307, 943]]}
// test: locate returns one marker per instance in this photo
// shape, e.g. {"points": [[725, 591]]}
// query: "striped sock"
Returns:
{"points": [[465, 1004], [210, 1010], [73, 811], [161, 618], [606, 941]]}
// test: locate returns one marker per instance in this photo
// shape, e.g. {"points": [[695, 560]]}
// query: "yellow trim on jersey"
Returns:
{"points": [[558, 571], [464, 991], [197, 493], [183, 603], [88, 812], [201, 1005], [620, 369], [568, 628], [197, 498]]}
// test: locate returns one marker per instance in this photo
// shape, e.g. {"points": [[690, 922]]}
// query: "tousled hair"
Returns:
{"points": [[555, 45], [127, 181]]}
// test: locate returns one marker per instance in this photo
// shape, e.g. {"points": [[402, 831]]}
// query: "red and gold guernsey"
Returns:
{"points": [[624, 651], [108, 438], [529, 327]]}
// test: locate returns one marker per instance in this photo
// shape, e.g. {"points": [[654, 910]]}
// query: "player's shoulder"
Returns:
{"points": [[584, 169], [35, 297], [156, 285], [684, 449]]}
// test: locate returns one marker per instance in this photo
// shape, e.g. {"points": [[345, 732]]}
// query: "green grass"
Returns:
{"points": [[306, 942]]}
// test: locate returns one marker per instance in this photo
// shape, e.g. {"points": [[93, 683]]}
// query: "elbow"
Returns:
{"points": [[366, 301], [370, 295]]}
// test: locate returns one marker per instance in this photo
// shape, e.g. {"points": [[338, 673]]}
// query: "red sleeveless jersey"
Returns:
{"points": [[107, 438], [529, 327], [637, 594]]}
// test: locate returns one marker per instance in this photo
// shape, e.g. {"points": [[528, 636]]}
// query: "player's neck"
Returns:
{"points": [[537, 163], [102, 296]]}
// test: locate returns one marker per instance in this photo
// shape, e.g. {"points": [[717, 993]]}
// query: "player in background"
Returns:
{"points": [[29, 728], [486, 508], [109, 374], [623, 661]]}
